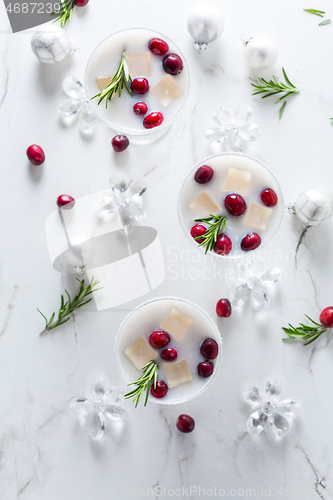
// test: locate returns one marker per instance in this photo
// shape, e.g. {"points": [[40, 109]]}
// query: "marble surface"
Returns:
{"points": [[44, 454]]}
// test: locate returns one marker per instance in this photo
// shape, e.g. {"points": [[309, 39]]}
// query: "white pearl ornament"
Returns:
{"points": [[313, 206], [51, 44], [205, 24], [261, 52]]}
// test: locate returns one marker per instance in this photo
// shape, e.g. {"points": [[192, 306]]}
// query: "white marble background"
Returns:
{"points": [[43, 452]]}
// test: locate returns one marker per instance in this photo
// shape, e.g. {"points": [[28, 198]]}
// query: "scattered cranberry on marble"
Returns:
{"points": [[160, 391], [185, 423], [35, 154], [169, 354], [223, 308], [235, 204], [204, 174], [120, 143], [326, 317], [65, 201], [172, 64], [250, 242], [140, 85], [269, 197], [153, 120], [158, 46], [209, 349], [140, 108], [159, 339], [223, 245], [198, 230], [205, 369]]}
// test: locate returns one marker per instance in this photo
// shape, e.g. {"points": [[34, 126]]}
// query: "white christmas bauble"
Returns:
{"points": [[205, 24], [51, 44], [261, 52], [313, 206]]}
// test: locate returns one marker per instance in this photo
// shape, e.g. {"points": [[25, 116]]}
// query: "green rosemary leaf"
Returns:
{"points": [[319, 13], [324, 23], [143, 384], [282, 109], [304, 332], [217, 224], [64, 13]]}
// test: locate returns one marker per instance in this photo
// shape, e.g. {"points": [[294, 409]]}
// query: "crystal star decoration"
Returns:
{"points": [[125, 199], [269, 409], [103, 403], [253, 278], [77, 104], [233, 128]]}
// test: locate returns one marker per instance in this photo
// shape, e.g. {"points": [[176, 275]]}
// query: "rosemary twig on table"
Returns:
{"points": [[319, 13], [273, 87], [65, 12], [67, 308], [324, 23], [216, 224], [305, 332], [150, 371], [121, 78]]}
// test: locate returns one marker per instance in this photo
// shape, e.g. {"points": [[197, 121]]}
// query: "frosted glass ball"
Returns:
{"points": [[314, 206], [51, 44], [205, 24], [261, 52]]}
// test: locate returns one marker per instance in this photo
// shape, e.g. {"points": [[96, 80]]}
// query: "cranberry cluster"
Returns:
{"points": [[208, 350], [236, 207], [159, 339]]}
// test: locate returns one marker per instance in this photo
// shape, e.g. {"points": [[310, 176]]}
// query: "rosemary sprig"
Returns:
{"points": [[67, 308], [216, 224], [319, 13], [273, 87], [121, 78], [305, 332], [150, 371], [65, 12], [324, 23]]}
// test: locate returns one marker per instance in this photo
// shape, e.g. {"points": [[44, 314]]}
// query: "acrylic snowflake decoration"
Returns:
{"points": [[253, 277], [77, 104], [103, 403], [126, 199], [233, 128], [269, 408]]}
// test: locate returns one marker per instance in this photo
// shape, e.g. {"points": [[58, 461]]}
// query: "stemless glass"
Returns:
{"points": [[190, 190], [104, 62], [148, 317]]}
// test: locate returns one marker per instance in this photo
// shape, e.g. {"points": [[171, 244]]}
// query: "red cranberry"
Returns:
{"points": [[160, 390], [204, 174], [140, 85], [209, 349], [81, 3], [35, 154], [235, 204], [65, 201], [205, 369], [153, 120], [159, 339], [250, 242], [120, 143], [198, 230], [158, 46], [223, 308], [140, 108], [185, 423], [169, 354], [269, 197], [326, 317], [223, 245], [172, 64]]}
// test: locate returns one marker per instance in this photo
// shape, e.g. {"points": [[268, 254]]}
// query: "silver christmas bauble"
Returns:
{"points": [[261, 52], [51, 44], [205, 24], [313, 206]]}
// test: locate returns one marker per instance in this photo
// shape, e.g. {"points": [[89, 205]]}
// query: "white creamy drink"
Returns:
{"points": [[167, 93], [240, 188], [150, 317]]}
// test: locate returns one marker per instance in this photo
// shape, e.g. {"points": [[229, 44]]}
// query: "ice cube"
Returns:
{"points": [[139, 64], [257, 216], [103, 81], [176, 323], [166, 90], [140, 353], [237, 180], [177, 373], [204, 204]]}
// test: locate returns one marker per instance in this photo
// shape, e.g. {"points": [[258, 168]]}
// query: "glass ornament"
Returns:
{"points": [[51, 44], [77, 104], [205, 24]]}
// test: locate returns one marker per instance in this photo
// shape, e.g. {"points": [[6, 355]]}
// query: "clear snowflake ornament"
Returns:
{"points": [[233, 128], [77, 104], [125, 199], [269, 409], [103, 403], [253, 277]]}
